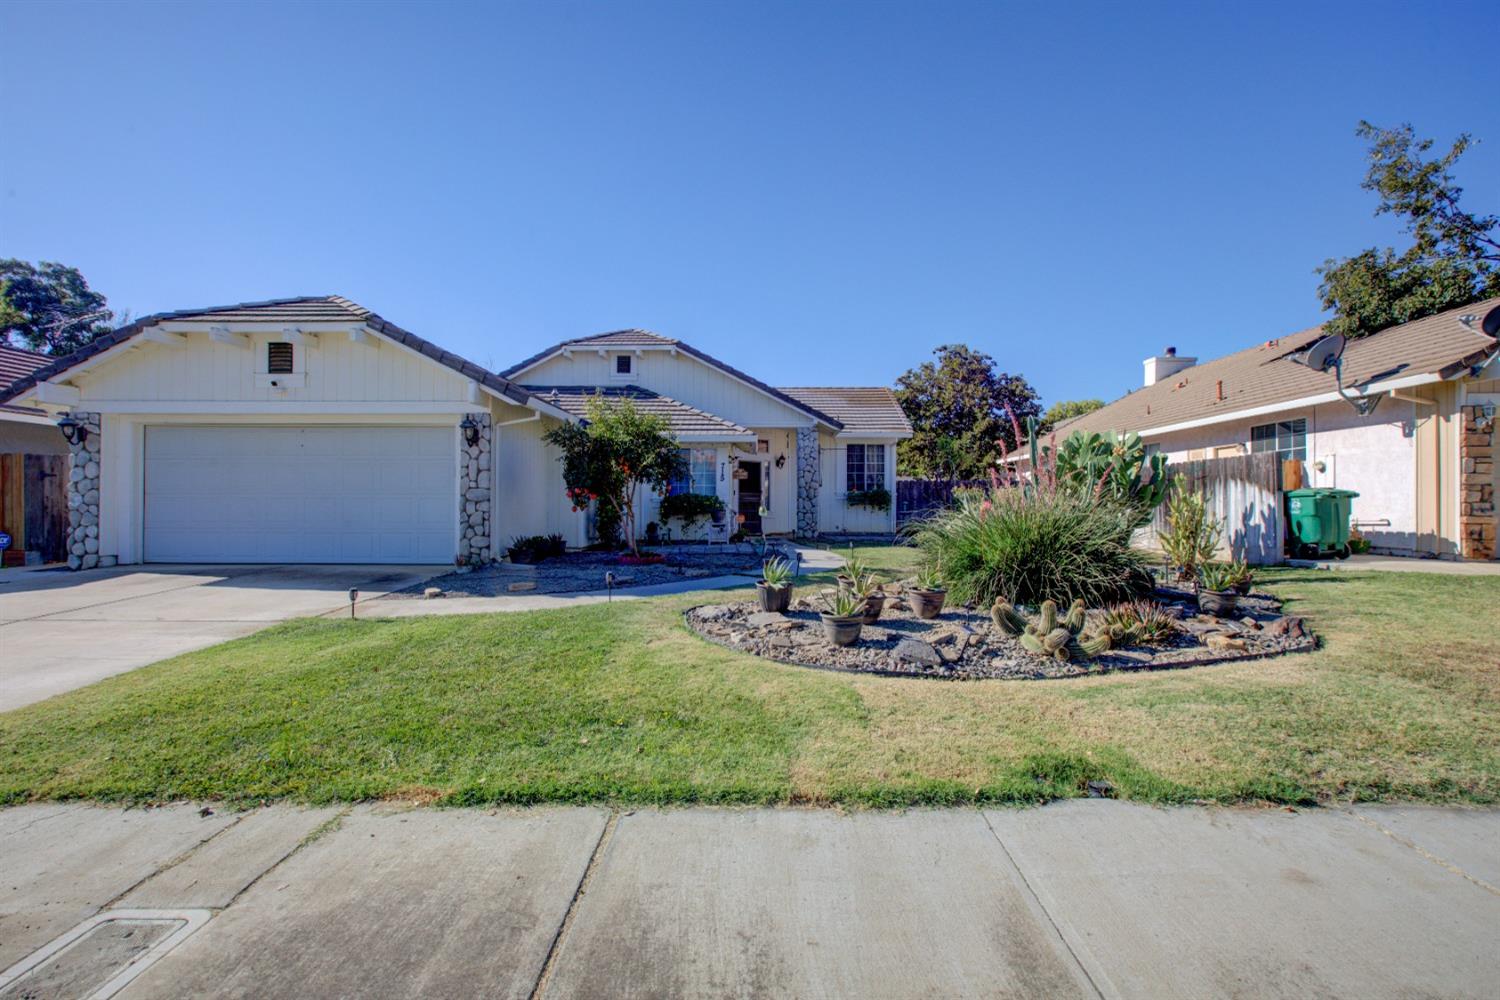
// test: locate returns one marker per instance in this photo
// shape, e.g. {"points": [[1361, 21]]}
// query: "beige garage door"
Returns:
{"points": [[282, 494]]}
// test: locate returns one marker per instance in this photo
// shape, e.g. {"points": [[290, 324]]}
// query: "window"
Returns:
{"points": [[1288, 439], [864, 467], [696, 473], [278, 358], [624, 364]]}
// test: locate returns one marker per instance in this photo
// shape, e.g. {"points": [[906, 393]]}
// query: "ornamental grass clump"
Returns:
{"points": [[1028, 544]]}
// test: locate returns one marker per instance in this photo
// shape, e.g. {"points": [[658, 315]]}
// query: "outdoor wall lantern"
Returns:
{"points": [[780, 460], [470, 429], [75, 433]]}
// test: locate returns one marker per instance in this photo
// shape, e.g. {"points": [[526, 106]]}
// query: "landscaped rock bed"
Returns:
{"points": [[964, 644], [580, 571]]}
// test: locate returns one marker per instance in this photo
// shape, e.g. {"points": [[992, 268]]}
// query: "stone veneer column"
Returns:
{"points": [[807, 482], [474, 487], [83, 493], [1476, 515]]}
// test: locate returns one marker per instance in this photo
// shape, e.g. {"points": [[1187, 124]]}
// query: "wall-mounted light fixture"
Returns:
{"points": [[780, 461], [74, 432], [470, 429]]}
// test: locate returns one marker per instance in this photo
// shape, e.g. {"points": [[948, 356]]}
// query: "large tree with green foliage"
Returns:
{"points": [[1454, 258], [617, 451], [1068, 409], [49, 308], [958, 412]]}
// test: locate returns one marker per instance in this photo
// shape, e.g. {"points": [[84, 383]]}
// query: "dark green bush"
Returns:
{"points": [[690, 508], [535, 548], [1027, 545]]}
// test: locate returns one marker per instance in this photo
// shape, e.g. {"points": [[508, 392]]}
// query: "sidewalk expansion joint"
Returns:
{"points": [[1440, 862], [555, 949], [171, 863], [1041, 907]]}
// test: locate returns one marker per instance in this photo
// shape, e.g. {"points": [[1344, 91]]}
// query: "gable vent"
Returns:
{"points": [[278, 358]]}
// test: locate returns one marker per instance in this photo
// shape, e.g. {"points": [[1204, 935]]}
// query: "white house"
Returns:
{"points": [[1422, 460], [313, 430]]}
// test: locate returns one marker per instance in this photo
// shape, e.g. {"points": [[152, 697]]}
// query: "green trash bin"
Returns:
{"points": [[1318, 522]]}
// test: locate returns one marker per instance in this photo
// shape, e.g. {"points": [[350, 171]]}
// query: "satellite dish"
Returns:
{"points": [[1325, 353], [1491, 322]]}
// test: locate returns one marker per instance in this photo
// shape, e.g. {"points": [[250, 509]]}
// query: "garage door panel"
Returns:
{"points": [[300, 494]]}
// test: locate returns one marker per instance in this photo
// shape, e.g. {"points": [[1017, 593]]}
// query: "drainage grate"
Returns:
{"points": [[100, 956]]}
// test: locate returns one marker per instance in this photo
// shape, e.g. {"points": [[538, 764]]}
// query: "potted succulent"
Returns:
{"points": [[854, 568], [842, 621], [774, 588], [926, 597], [1242, 577], [1216, 593], [872, 592]]}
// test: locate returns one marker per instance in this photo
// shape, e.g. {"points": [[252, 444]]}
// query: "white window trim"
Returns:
{"points": [[619, 376]]}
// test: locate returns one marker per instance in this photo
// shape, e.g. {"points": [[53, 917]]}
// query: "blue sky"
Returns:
{"points": [[819, 193]]}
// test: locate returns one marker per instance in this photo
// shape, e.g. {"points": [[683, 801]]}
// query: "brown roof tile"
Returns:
{"points": [[682, 418], [862, 410]]}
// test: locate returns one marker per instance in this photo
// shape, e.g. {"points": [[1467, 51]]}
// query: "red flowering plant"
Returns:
{"points": [[610, 458]]}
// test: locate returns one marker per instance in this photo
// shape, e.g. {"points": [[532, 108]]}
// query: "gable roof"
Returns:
{"points": [[303, 309], [645, 338], [1439, 346], [681, 418], [870, 410], [16, 363]]}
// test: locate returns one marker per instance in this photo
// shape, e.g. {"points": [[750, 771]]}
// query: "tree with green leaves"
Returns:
{"points": [[1454, 258], [1067, 410], [958, 412], [49, 308], [615, 452]]}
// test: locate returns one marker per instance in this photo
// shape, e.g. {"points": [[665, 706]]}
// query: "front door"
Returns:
{"points": [[750, 497]]}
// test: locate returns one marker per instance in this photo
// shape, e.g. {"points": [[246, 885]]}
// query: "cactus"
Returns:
{"points": [[1006, 618], [1062, 640]]}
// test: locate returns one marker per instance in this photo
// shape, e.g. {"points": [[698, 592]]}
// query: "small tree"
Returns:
{"points": [[957, 408], [616, 451]]}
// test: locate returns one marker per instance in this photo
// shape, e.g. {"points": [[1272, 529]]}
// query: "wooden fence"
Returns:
{"points": [[34, 506], [1244, 493], [916, 498]]}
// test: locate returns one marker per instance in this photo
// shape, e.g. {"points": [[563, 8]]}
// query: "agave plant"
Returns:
{"points": [[1138, 622], [1217, 577], [842, 604], [776, 572]]}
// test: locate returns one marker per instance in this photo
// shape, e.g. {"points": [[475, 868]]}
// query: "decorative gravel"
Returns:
{"points": [[580, 571], [962, 644]]}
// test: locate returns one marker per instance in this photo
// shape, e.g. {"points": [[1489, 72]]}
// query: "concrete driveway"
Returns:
{"points": [[61, 630]]}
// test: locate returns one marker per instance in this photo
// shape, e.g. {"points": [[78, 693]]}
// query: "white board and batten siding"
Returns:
{"points": [[834, 513], [683, 378], [357, 463]]}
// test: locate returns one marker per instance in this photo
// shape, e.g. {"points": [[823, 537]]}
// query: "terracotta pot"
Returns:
{"points": [[1220, 603], [841, 631], [926, 603], [874, 605], [774, 598]]}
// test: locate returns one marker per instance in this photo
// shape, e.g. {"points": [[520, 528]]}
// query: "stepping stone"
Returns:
{"points": [[521, 585], [763, 618]]}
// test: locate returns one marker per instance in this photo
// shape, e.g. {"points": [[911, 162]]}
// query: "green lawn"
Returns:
{"points": [[620, 703]]}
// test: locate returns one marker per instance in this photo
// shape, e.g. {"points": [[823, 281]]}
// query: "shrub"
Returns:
{"points": [[690, 508], [1026, 545], [535, 548], [1192, 535]]}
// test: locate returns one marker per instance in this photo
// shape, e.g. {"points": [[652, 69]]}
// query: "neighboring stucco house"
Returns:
{"points": [[1422, 461], [313, 430]]}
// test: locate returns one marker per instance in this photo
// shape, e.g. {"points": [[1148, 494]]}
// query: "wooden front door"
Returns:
{"points": [[750, 497]]}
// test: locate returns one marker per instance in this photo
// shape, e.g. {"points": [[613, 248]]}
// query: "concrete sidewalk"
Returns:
{"points": [[1078, 899]]}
